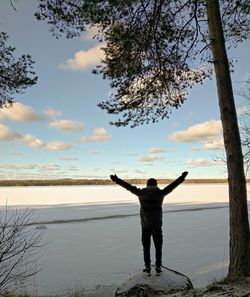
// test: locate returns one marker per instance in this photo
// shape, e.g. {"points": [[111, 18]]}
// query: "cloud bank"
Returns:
{"points": [[201, 162], [99, 134], [156, 150], [58, 146], [84, 59], [209, 133], [7, 134], [67, 126], [20, 112], [151, 158]]}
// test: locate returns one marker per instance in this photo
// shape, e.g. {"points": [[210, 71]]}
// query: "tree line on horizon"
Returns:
{"points": [[102, 182]]}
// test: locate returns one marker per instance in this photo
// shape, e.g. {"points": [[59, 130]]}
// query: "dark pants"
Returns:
{"points": [[158, 240]]}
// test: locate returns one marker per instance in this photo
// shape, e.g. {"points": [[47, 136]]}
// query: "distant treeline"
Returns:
{"points": [[96, 182]]}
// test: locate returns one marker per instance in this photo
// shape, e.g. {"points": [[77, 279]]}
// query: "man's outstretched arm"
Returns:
{"points": [[175, 183], [125, 185]]}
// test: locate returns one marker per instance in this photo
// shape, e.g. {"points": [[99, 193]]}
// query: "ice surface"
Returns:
{"points": [[97, 241]]}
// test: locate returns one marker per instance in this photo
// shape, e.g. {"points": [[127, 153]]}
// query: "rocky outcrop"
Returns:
{"points": [[140, 285]]}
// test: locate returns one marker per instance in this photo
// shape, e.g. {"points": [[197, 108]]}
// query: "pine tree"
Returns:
{"points": [[16, 74], [155, 50]]}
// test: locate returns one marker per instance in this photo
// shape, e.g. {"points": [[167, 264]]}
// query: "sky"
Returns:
{"points": [[56, 130]]}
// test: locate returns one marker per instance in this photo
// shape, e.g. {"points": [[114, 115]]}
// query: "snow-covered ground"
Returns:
{"points": [[97, 241]]}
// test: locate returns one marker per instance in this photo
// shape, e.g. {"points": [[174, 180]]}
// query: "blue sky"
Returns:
{"points": [[56, 129]]}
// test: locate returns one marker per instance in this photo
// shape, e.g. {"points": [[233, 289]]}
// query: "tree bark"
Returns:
{"points": [[238, 219]]}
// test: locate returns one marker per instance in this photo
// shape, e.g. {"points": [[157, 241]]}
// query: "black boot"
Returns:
{"points": [[147, 271], [158, 270]]}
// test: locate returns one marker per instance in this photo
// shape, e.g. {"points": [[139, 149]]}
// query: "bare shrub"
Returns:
{"points": [[19, 245]]}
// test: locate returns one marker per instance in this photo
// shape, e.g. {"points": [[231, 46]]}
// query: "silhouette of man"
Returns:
{"points": [[151, 199]]}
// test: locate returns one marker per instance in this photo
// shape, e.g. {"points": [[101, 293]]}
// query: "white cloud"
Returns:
{"points": [[151, 158], [32, 141], [49, 167], [30, 175], [68, 159], [201, 162], [72, 168], [6, 134], [84, 59], [198, 132], [43, 167], [215, 144], [52, 113], [140, 84], [20, 112], [18, 167], [209, 133], [139, 171], [155, 150], [58, 146], [99, 134], [118, 171], [67, 126], [90, 33]]}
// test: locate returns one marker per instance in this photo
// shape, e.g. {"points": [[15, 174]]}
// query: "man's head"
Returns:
{"points": [[152, 182]]}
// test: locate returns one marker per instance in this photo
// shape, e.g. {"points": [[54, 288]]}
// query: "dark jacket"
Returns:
{"points": [[151, 199]]}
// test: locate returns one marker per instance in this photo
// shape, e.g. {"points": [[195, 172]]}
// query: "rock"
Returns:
{"points": [[140, 285]]}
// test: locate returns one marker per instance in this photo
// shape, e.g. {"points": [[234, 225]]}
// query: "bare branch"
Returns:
{"points": [[18, 248], [12, 5]]}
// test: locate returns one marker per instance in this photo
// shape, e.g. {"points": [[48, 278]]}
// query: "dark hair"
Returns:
{"points": [[152, 182]]}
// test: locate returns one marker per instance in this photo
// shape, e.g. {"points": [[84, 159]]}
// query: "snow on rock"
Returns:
{"points": [[141, 285]]}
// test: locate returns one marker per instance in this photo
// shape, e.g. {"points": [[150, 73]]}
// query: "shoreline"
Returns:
{"points": [[214, 289], [100, 182]]}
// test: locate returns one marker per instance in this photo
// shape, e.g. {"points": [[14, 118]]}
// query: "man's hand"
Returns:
{"points": [[114, 178], [184, 174]]}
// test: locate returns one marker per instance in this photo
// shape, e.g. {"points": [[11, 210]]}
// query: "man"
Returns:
{"points": [[151, 199]]}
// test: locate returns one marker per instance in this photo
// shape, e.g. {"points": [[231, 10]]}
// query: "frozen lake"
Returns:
{"points": [[55, 195], [93, 233]]}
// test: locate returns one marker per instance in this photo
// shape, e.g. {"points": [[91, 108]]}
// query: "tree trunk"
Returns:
{"points": [[239, 227]]}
